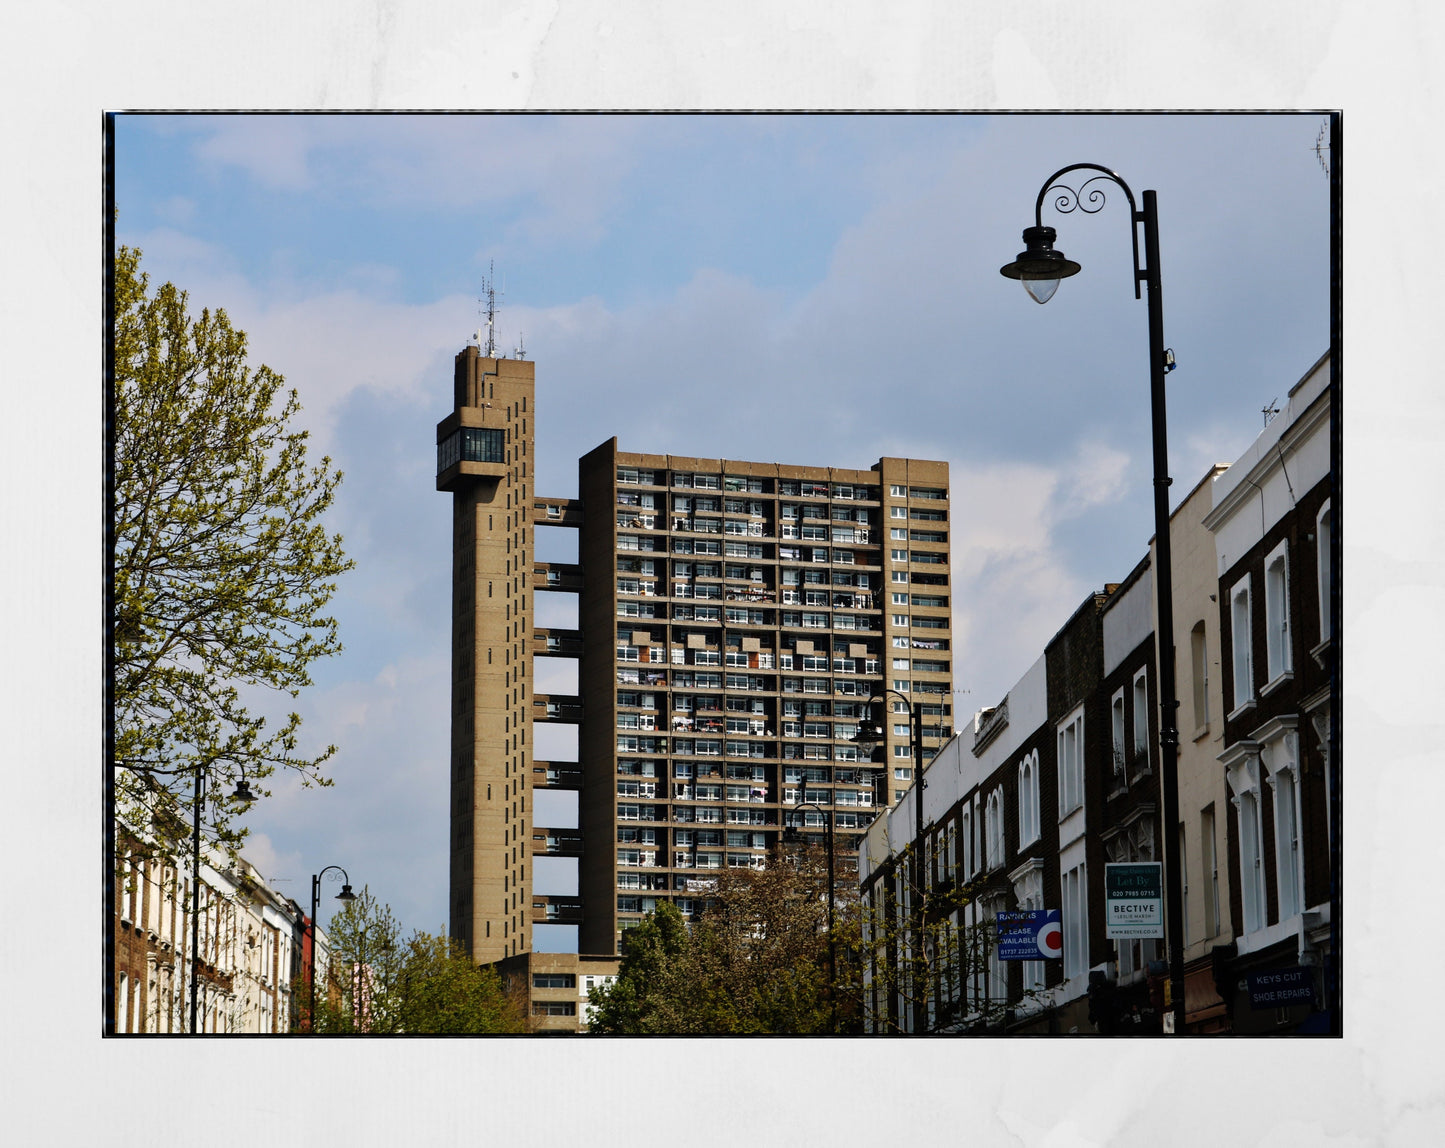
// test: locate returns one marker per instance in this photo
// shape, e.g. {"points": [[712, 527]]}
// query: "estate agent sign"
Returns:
{"points": [[1134, 899], [1030, 935]]}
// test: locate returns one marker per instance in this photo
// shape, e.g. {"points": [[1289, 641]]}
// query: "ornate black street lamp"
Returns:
{"points": [[870, 735], [793, 836], [345, 895], [1040, 268]]}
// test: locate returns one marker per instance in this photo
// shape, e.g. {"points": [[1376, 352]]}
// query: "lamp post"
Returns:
{"points": [[869, 736], [243, 793], [345, 895], [1040, 268], [791, 835]]}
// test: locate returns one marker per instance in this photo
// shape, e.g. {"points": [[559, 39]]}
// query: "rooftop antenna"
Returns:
{"points": [[521, 352], [1322, 146], [489, 288], [1270, 410]]}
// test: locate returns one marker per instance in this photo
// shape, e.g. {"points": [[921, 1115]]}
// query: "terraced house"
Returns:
{"points": [[1061, 779]]}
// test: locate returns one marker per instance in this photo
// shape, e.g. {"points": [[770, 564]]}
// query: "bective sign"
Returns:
{"points": [[1133, 899], [1030, 935], [1279, 987]]}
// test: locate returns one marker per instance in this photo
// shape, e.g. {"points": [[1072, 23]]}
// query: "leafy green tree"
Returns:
{"points": [[755, 962], [442, 991], [378, 984], [364, 968], [925, 967], [631, 1003], [222, 571]]}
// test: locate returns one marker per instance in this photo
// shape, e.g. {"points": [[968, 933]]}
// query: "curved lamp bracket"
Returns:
{"points": [[1089, 200]]}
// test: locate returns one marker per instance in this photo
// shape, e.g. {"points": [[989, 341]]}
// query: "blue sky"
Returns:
{"points": [[661, 269]]}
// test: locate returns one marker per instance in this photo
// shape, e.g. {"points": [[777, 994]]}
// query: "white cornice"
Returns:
{"points": [[1244, 485]]}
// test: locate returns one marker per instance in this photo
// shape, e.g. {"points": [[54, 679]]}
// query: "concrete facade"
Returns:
{"points": [[747, 614], [484, 458], [734, 619]]}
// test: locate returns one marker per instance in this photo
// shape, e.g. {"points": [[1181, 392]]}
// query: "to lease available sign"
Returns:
{"points": [[1134, 899]]}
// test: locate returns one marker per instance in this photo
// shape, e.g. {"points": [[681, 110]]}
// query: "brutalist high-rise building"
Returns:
{"points": [[735, 619]]}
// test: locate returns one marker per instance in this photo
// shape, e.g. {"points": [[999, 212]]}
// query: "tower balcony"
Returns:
{"points": [[557, 512], [565, 709], [552, 642], [564, 576]]}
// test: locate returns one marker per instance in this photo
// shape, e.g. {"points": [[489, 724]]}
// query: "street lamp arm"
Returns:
{"points": [[345, 878], [1069, 199]]}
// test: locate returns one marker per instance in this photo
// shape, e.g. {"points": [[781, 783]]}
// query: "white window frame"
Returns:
{"points": [[1074, 884], [1140, 724], [1278, 653], [993, 820], [1028, 790], [1251, 859], [1120, 756], [1241, 632], [1071, 768]]}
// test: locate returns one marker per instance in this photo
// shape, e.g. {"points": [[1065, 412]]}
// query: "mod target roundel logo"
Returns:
{"points": [[1051, 939]]}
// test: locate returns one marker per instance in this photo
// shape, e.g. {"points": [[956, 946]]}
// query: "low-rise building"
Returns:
{"points": [[1272, 523], [251, 940], [1061, 780]]}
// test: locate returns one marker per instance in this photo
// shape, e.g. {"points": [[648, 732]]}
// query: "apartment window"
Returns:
{"points": [[1199, 666], [899, 555], [902, 773], [900, 576], [898, 512], [899, 533], [1287, 843], [1241, 633], [1071, 763], [1276, 613], [900, 599], [555, 1008], [994, 828], [1210, 871], [1076, 921], [1141, 714], [554, 980], [1251, 867], [1324, 530], [896, 491], [1028, 790], [1116, 715]]}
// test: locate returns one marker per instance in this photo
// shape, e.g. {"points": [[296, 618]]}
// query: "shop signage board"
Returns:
{"points": [[1030, 935], [1133, 899], [1279, 987]]}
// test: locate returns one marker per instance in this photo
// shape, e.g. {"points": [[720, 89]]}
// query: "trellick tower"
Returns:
{"points": [[484, 458]]}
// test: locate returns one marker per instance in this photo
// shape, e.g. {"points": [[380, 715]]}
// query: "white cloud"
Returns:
{"points": [[1012, 584]]}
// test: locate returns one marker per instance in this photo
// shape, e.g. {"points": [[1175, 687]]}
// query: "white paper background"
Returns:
{"points": [[64, 64]]}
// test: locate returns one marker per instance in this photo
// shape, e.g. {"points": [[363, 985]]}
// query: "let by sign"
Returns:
{"points": [[1134, 899]]}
